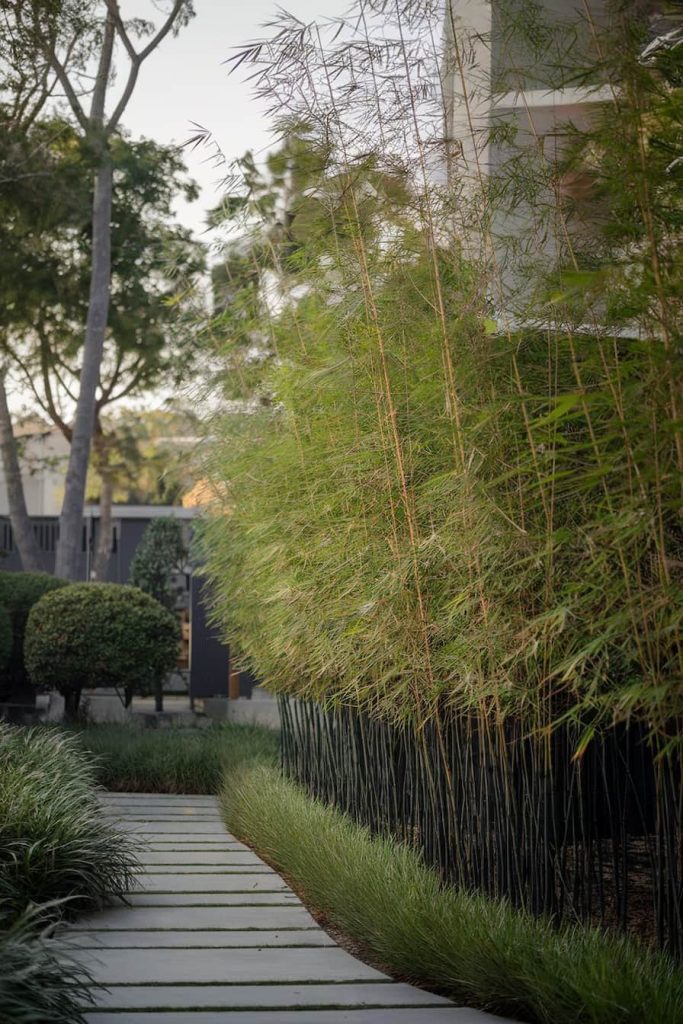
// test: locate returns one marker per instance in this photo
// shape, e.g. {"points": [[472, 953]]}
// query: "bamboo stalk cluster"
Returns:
{"points": [[501, 810]]}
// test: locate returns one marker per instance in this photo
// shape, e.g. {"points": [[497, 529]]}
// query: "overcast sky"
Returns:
{"points": [[186, 80]]}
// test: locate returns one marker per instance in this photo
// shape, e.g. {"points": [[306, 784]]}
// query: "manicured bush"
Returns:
{"points": [[35, 983], [99, 634], [160, 552], [131, 759], [476, 950], [56, 850], [19, 591]]}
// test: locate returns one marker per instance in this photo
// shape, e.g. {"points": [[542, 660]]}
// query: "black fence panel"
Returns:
{"points": [[511, 811]]}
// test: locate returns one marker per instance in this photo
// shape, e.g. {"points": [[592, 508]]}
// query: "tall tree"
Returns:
{"points": [[59, 37], [36, 224], [46, 244], [22, 528]]}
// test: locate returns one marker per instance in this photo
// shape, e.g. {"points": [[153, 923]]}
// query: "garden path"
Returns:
{"points": [[215, 936]]}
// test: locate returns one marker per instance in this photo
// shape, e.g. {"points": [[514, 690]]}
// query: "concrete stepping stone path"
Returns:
{"points": [[212, 935]]}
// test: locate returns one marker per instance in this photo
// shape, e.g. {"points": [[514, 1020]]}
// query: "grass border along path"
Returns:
{"points": [[132, 759], [473, 949]]}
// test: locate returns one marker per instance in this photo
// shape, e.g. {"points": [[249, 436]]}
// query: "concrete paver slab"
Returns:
{"points": [[212, 899], [198, 997], [428, 1015], [203, 918], [230, 858], [208, 869], [152, 817], [198, 966], [196, 829], [196, 939], [186, 882], [162, 799], [180, 845], [195, 798]]}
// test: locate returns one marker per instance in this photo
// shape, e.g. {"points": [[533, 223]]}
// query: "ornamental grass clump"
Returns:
{"points": [[57, 851], [476, 950], [130, 759], [37, 984]]}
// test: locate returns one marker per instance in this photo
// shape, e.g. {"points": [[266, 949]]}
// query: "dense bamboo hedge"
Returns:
{"points": [[457, 482]]}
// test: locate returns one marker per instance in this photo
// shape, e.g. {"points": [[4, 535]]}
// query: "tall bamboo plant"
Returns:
{"points": [[460, 486]]}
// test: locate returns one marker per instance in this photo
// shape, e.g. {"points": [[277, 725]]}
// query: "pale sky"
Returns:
{"points": [[185, 80]]}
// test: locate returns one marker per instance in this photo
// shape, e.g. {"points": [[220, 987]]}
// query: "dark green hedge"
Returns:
{"points": [[19, 591], [5, 638], [99, 634]]}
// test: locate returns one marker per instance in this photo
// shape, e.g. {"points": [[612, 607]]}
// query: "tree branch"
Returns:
{"points": [[163, 31], [53, 60], [137, 58], [61, 382], [102, 77], [129, 388], [47, 386], [113, 381], [113, 8]]}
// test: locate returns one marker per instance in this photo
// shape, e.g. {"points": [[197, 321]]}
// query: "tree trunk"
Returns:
{"points": [[159, 695], [71, 520], [22, 529], [72, 700], [104, 536]]}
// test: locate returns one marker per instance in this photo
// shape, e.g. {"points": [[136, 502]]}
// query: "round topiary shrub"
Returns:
{"points": [[19, 591], [99, 634]]}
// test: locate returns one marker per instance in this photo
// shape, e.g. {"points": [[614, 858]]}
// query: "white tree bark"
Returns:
{"points": [[71, 519], [22, 529]]}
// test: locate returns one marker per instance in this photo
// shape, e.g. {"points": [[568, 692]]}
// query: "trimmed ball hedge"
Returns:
{"points": [[19, 591], [99, 634]]}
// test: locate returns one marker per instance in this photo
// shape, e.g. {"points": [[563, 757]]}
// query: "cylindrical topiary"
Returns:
{"points": [[99, 634], [19, 591], [160, 553]]}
